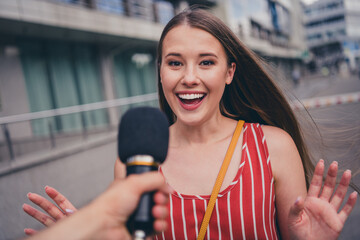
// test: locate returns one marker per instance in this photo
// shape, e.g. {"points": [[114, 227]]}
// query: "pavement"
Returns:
{"points": [[318, 86]]}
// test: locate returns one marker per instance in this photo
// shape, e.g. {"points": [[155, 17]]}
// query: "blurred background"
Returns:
{"points": [[70, 68]]}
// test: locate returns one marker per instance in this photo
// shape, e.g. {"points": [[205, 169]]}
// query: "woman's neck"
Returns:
{"points": [[213, 130]]}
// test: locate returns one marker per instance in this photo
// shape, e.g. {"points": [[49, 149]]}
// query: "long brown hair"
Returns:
{"points": [[252, 95]]}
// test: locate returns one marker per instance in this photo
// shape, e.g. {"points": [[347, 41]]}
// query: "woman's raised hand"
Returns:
{"points": [[318, 216], [54, 212]]}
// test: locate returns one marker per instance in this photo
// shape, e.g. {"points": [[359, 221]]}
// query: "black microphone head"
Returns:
{"points": [[143, 131]]}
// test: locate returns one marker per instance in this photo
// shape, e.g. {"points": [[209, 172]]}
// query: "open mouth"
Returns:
{"points": [[191, 98]]}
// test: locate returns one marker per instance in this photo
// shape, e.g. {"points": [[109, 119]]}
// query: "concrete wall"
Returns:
{"points": [[13, 94]]}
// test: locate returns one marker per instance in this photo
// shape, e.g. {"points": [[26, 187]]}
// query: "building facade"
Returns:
{"points": [[62, 53], [271, 28], [333, 34]]}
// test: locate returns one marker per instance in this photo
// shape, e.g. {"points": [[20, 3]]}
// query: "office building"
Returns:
{"points": [[333, 34], [273, 29]]}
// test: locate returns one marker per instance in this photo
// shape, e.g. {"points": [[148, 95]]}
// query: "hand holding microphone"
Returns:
{"points": [[142, 145], [106, 216]]}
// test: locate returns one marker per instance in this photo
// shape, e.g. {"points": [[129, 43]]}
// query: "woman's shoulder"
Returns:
{"points": [[279, 143], [282, 150], [277, 140], [276, 136]]}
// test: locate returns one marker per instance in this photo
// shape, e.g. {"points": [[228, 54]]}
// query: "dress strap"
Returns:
{"points": [[220, 179]]}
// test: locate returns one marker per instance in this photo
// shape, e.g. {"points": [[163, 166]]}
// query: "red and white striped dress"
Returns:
{"points": [[244, 210]]}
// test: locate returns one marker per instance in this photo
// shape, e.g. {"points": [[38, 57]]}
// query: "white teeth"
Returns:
{"points": [[191, 96]]}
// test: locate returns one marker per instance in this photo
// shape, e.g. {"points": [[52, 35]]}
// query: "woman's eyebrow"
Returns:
{"points": [[173, 54], [201, 55], [208, 55]]}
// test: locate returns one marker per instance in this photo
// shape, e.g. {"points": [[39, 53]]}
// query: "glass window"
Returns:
{"points": [[250, 8], [88, 84], [62, 80], [76, 2], [135, 74], [113, 6], [164, 11], [37, 84], [61, 75]]}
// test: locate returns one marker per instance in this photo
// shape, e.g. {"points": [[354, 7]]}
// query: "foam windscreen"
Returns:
{"points": [[143, 131]]}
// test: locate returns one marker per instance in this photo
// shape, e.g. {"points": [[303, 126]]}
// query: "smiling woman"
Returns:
{"points": [[208, 80], [194, 73]]}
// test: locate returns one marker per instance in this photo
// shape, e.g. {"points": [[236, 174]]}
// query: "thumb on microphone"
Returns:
{"points": [[145, 182], [121, 198]]}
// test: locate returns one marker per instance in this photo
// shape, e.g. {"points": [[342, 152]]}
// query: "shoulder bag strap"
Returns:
{"points": [[219, 180]]}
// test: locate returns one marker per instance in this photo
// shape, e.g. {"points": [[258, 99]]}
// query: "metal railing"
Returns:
{"points": [[5, 121]]}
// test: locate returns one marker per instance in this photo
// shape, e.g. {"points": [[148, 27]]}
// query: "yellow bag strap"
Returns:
{"points": [[219, 180]]}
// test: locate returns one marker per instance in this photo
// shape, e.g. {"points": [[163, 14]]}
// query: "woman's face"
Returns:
{"points": [[194, 71]]}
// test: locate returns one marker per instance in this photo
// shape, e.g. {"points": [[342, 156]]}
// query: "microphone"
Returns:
{"points": [[143, 140]]}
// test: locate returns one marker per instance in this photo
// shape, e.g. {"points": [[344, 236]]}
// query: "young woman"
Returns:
{"points": [[208, 81]]}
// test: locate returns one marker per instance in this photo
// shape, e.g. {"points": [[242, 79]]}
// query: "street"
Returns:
{"points": [[339, 126]]}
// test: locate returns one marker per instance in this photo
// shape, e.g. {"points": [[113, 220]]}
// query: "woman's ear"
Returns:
{"points": [[230, 73]]}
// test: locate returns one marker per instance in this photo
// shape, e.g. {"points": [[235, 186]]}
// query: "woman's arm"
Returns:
{"points": [[317, 214], [288, 173]]}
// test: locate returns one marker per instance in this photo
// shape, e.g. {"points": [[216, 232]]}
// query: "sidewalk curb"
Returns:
{"points": [[327, 101], [36, 159]]}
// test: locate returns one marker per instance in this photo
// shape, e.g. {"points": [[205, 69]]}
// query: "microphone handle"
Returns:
{"points": [[140, 223]]}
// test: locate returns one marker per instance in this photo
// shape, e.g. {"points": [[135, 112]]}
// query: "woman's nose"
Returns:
{"points": [[190, 77]]}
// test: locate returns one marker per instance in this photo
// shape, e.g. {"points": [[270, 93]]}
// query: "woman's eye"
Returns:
{"points": [[174, 63], [207, 63]]}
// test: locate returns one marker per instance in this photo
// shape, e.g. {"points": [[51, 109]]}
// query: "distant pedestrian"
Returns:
{"points": [[295, 76]]}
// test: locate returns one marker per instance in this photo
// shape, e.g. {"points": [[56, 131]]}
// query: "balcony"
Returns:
{"points": [[56, 19], [325, 14], [209, 3]]}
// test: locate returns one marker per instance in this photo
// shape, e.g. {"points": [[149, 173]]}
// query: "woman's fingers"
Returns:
{"points": [[64, 204], [29, 231], [316, 182], [160, 225], [161, 198], [329, 186], [47, 206], [41, 217], [160, 210], [53, 212], [341, 190], [330, 182], [346, 210]]}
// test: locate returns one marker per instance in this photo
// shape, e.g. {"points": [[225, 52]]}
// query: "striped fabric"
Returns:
{"points": [[244, 210]]}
